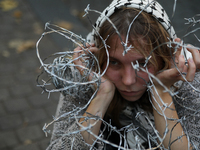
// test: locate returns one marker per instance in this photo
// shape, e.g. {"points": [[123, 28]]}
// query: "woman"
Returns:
{"points": [[132, 43]]}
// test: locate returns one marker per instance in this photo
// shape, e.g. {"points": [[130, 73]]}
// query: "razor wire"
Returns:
{"points": [[63, 74]]}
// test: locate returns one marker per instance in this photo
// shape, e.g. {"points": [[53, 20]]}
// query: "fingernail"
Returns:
{"points": [[182, 56], [191, 60]]}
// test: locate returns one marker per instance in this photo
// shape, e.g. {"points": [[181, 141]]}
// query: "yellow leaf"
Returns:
{"points": [[65, 24], [77, 13], [15, 43], [6, 53], [7, 5], [27, 142], [37, 28], [25, 46], [17, 14], [21, 45]]}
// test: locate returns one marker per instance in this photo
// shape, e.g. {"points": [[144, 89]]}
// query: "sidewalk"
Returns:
{"points": [[23, 109]]}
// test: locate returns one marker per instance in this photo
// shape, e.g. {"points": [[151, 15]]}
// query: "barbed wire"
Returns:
{"points": [[65, 77]]}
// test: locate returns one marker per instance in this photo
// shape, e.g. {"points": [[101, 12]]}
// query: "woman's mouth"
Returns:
{"points": [[129, 93]]}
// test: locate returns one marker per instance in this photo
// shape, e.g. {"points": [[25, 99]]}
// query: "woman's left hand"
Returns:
{"points": [[179, 69]]}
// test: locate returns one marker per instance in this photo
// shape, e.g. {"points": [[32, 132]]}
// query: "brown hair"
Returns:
{"points": [[149, 35]]}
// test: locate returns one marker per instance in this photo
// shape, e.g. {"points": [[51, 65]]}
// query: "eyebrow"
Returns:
{"points": [[139, 59], [110, 57]]}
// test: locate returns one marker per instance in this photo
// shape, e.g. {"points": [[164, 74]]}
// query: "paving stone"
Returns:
{"points": [[30, 133], [6, 80], [29, 63], [7, 69], [21, 90], [16, 105], [8, 139], [26, 76], [4, 94], [27, 147], [7, 148], [3, 145], [10, 121], [44, 143], [51, 110], [35, 115], [39, 100], [8, 56], [2, 110]]}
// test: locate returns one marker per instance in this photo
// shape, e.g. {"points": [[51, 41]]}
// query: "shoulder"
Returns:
{"points": [[190, 89], [188, 97]]}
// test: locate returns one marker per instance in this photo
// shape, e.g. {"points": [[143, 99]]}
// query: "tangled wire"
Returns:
{"points": [[63, 74]]}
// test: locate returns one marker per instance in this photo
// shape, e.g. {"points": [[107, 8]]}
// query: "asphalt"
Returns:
{"points": [[23, 108]]}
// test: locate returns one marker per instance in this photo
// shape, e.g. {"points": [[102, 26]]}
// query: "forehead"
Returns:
{"points": [[117, 49]]}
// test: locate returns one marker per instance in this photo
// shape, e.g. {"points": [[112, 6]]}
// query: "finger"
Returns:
{"points": [[80, 57], [177, 49], [174, 73], [77, 57], [93, 49], [195, 55], [77, 51], [191, 70], [88, 48], [181, 63], [181, 68], [90, 44], [177, 40]]}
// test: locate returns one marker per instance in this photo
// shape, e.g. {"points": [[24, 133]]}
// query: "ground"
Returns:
{"points": [[23, 109]]}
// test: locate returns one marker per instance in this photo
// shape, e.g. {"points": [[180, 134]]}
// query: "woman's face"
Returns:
{"points": [[121, 73]]}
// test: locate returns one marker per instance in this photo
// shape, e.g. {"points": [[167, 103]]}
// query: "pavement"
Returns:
{"points": [[23, 109]]}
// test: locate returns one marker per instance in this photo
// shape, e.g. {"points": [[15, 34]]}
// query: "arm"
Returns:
{"points": [[168, 78], [66, 132], [175, 129], [98, 106], [89, 124]]}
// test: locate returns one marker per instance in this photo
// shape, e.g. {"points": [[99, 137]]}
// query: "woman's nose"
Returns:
{"points": [[129, 76]]}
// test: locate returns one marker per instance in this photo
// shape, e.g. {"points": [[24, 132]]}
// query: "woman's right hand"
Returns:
{"points": [[106, 88], [80, 55]]}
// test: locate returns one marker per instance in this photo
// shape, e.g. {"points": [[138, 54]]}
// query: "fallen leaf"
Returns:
{"points": [[7, 5], [27, 142], [6, 53], [77, 13], [38, 70], [17, 14], [15, 43], [21, 45], [65, 24], [37, 28], [26, 45]]}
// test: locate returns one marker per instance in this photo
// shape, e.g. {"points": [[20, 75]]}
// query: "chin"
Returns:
{"points": [[131, 99]]}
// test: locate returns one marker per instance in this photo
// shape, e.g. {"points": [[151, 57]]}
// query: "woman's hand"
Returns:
{"points": [[79, 58], [81, 55], [179, 69]]}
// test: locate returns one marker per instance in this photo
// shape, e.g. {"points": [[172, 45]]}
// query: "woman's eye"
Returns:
{"points": [[114, 62], [142, 64]]}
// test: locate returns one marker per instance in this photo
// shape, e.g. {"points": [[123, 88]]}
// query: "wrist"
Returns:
{"points": [[103, 100], [160, 96]]}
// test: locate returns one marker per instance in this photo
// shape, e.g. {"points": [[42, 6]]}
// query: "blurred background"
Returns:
{"points": [[23, 108]]}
